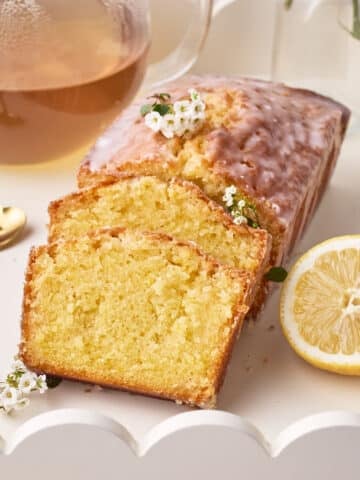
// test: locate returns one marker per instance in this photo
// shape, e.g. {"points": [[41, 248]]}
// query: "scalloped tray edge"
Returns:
{"points": [[178, 423]]}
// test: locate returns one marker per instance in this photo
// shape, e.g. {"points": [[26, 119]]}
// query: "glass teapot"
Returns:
{"points": [[68, 68]]}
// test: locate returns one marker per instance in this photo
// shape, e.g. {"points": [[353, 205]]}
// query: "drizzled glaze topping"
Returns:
{"points": [[270, 139]]}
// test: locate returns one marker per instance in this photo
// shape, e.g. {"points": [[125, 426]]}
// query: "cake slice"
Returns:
{"points": [[277, 145], [178, 208], [135, 311]]}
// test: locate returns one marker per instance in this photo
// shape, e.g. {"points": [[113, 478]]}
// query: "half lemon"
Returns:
{"points": [[320, 305]]}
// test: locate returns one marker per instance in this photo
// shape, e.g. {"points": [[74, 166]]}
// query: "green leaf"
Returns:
{"points": [[252, 223], [276, 274], [52, 381], [288, 4], [147, 108], [161, 108]]}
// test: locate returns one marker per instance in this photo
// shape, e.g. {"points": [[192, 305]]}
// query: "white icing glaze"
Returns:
{"points": [[275, 143]]}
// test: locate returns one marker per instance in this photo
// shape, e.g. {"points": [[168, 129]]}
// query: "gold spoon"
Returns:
{"points": [[12, 221]]}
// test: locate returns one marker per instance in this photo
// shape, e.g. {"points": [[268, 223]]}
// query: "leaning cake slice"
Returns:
{"points": [[135, 311], [178, 208]]}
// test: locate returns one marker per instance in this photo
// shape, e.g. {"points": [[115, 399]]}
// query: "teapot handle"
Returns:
{"points": [[186, 53]]}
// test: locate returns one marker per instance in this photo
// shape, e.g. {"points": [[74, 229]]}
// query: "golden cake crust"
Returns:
{"points": [[204, 399]]}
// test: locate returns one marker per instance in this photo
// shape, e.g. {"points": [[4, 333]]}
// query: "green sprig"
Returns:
{"points": [[276, 274], [248, 211], [147, 108], [161, 108], [160, 104]]}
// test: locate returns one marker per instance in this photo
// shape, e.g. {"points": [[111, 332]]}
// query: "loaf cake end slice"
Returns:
{"points": [[135, 311]]}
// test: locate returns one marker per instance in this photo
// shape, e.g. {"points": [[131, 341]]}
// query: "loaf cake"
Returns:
{"points": [[277, 145], [135, 311], [178, 208], [158, 312]]}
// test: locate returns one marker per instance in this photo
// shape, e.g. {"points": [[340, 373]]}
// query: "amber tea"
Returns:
{"points": [[64, 75]]}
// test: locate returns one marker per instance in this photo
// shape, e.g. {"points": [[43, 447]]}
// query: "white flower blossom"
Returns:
{"points": [[181, 107], [228, 196], [19, 383], [27, 382], [231, 190], [41, 383], [168, 121], [18, 366], [237, 207], [154, 121], [183, 117], [9, 398], [182, 124], [168, 125], [239, 219], [197, 109]]}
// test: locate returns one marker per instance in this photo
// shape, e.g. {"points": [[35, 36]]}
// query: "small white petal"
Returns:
{"points": [[18, 365], [41, 383], [240, 219], [168, 121], [198, 107], [9, 398], [194, 111], [27, 382], [181, 106], [181, 124], [168, 132], [241, 204], [154, 121]]}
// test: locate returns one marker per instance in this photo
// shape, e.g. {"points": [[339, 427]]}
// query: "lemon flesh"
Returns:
{"points": [[320, 305]]}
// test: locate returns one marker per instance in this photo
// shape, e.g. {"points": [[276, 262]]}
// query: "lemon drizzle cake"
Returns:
{"points": [[277, 145], [178, 208], [136, 311]]}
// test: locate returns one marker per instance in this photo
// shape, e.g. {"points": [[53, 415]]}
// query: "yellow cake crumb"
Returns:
{"points": [[132, 310]]}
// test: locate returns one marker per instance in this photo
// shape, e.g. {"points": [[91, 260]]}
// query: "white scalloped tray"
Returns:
{"points": [[267, 387], [279, 418]]}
